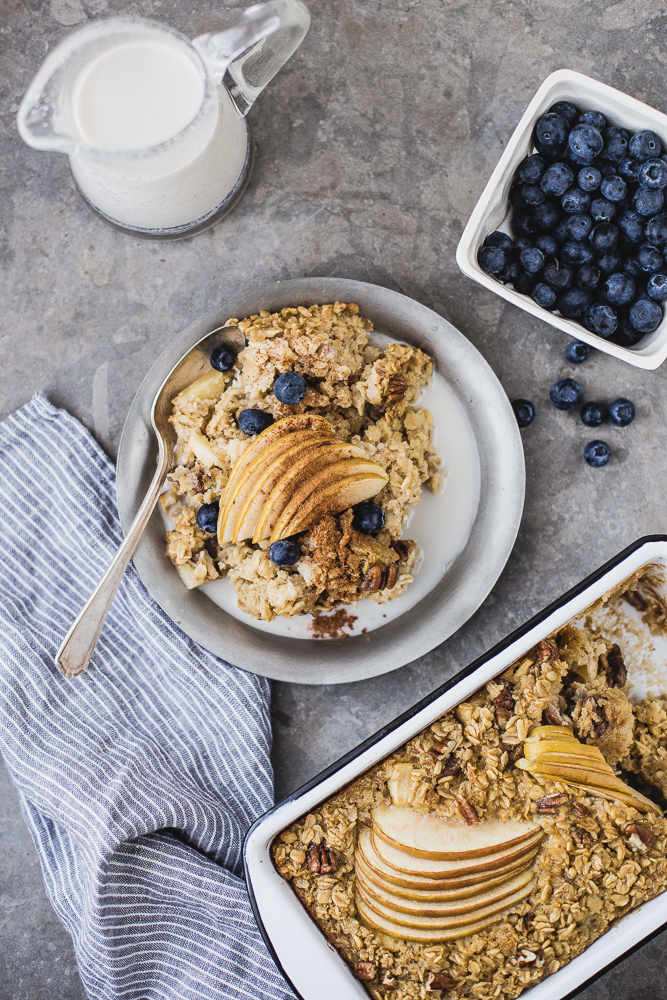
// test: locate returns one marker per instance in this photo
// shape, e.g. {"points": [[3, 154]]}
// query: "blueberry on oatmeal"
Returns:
{"points": [[207, 516], [285, 552], [368, 518], [290, 388], [254, 421]]}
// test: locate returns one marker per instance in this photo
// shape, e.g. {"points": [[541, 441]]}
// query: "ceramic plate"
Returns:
{"points": [[465, 533]]}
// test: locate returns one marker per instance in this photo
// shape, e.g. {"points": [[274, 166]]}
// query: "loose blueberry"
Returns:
{"points": [[629, 169], [368, 518], [631, 224], [524, 411], [656, 287], [589, 178], [566, 110], [653, 175], [558, 276], [499, 240], [290, 388], [532, 260], [647, 202], [602, 210], [207, 517], [573, 302], [614, 188], [604, 237], [577, 352], [566, 394], [656, 231], [585, 141], [547, 215], [222, 359], [543, 295], [621, 412], [593, 414], [601, 319], [609, 262], [619, 289], [649, 258], [524, 282], [548, 244], [578, 226], [645, 315], [556, 179], [254, 421], [594, 118], [644, 145], [533, 194], [524, 224], [615, 144], [597, 453], [588, 277], [285, 552], [576, 252], [551, 134], [532, 168], [575, 200]]}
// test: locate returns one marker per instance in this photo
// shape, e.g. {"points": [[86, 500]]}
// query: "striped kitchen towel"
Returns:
{"points": [[139, 778]]}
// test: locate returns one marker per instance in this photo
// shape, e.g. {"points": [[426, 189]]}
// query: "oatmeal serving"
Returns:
{"points": [[499, 843], [296, 464]]}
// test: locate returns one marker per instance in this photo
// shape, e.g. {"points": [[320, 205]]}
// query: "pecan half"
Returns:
{"points": [[313, 859], [549, 803], [372, 580], [554, 718], [468, 810], [451, 766], [639, 838], [365, 971], [321, 861], [504, 697], [616, 672], [396, 390], [389, 577], [403, 548], [582, 837], [546, 650], [579, 809], [438, 981]]}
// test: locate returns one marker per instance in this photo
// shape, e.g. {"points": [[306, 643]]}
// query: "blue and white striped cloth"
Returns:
{"points": [[139, 778]]}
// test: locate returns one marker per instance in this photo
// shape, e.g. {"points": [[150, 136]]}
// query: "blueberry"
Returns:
{"points": [[207, 517], [543, 295], [601, 319], [609, 262], [549, 245], [576, 252], [579, 161], [558, 276], [589, 178], [566, 110], [557, 179], [644, 145], [561, 232], [491, 259], [522, 243], [547, 215], [550, 134], [565, 394], [648, 202], [577, 352], [533, 260], [656, 287], [524, 282], [285, 552], [254, 421], [615, 144], [629, 169], [653, 175], [597, 453], [649, 258], [594, 118], [290, 388], [578, 226], [524, 224], [645, 315], [631, 266], [573, 302], [631, 225], [602, 210], [656, 231], [510, 272], [585, 141], [593, 414], [606, 169], [531, 169], [619, 289], [604, 237], [533, 194], [588, 277], [516, 196], [575, 200], [499, 240], [368, 518], [614, 188], [222, 359], [626, 335], [621, 412]]}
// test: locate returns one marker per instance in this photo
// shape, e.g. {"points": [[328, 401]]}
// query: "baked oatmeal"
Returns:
{"points": [[357, 409], [495, 846]]}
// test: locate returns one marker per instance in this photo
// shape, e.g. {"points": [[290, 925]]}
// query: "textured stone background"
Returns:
{"points": [[372, 148]]}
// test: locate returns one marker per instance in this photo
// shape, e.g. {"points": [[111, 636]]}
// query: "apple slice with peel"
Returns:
{"points": [[431, 936], [550, 733], [350, 482], [594, 781], [426, 867], [532, 751], [442, 908], [593, 764], [632, 798], [428, 835]]}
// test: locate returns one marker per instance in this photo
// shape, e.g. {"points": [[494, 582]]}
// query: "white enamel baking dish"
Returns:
{"points": [[492, 211], [310, 964]]}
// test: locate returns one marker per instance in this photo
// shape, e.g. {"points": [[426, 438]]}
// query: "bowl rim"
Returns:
{"points": [[476, 229]]}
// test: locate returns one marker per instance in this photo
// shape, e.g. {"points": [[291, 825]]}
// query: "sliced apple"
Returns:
{"points": [[551, 733], [425, 867], [427, 835], [349, 482], [532, 751], [591, 763], [207, 388], [201, 449], [429, 936], [631, 798]]}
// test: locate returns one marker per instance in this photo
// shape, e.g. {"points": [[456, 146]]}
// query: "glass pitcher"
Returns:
{"points": [[155, 124]]}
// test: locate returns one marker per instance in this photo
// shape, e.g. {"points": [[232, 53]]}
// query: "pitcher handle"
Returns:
{"points": [[248, 55]]}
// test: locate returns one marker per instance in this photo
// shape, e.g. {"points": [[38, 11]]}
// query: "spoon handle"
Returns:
{"points": [[77, 647]]}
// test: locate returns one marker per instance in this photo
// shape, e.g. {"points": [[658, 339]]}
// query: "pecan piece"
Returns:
{"points": [[525, 957], [365, 971], [389, 577], [616, 672], [438, 981], [527, 920], [403, 548], [549, 803], [372, 580], [451, 766], [468, 810], [367, 821], [546, 650], [582, 837], [639, 838], [396, 390], [313, 859], [321, 861], [504, 696], [554, 718], [438, 749], [579, 809]]}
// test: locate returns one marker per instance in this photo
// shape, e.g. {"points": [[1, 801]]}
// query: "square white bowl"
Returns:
{"points": [[311, 965], [493, 209]]}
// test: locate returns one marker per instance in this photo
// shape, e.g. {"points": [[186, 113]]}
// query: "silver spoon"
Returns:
{"points": [[78, 645]]}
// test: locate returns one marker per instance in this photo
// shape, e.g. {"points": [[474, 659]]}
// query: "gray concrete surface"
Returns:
{"points": [[372, 148]]}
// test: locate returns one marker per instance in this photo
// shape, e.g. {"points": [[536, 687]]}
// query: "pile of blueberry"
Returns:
{"points": [[567, 394], [589, 225]]}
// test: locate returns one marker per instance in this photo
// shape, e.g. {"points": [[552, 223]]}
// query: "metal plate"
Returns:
{"points": [[467, 581]]}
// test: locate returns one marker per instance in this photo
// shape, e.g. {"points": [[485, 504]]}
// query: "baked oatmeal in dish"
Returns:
{"points": [[498, 844], [297, 464]]}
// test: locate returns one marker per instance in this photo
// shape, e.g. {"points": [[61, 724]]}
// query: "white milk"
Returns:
{"points": [[138, 95]]}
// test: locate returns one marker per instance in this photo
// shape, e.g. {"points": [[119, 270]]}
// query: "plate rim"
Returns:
{"points": [[468, 580]]}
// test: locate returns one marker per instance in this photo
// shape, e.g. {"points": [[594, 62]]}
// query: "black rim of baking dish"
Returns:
{"points": [[414, 710]]}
